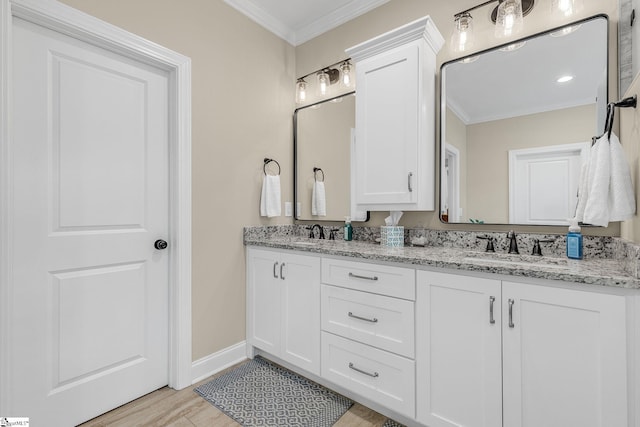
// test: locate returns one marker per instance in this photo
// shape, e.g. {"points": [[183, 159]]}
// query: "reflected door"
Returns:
{"points": [[543, 184], [89, 321]]}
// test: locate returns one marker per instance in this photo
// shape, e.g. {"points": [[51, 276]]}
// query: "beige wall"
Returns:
{"points": [[329, 48], [243, 99], [488, 144]]}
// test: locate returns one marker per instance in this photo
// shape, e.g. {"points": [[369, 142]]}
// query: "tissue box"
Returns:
{"points": [[392, 235]]}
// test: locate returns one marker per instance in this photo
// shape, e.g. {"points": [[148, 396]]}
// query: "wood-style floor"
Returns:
{"points": [[185, 408]]}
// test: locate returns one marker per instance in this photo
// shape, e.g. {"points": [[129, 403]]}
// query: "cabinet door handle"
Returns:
{"points": [[373, 375], [363, 277], [275, 265], [374, 320], [281, 275], [492, 300], [511, 302], [409, 182]]}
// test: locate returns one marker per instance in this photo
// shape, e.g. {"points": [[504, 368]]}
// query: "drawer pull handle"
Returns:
{"points": [[275, 265], [356, 276], [492, 300], [281, 266], [511, 302], [374, 375], [374, 320]]}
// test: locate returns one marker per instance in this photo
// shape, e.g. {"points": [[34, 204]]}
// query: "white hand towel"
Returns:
{"points": [[596, 210], [270, 203], [622, 201], [318, 199], [583, 188]]}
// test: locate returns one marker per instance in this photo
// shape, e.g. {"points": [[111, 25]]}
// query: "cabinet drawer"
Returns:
{"points": [[382, 377], [380, 279], [377, 320]]}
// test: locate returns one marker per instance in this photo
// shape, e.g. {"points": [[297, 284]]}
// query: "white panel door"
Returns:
{"points": [[89, 329], [543, 183], [458, 351], [564, 358]]}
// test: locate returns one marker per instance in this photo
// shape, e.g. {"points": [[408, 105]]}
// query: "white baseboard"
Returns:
{"points": [[216, 362]]}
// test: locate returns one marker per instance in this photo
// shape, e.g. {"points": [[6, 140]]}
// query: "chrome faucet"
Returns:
{"points": [[513, 243], [313, 227]]}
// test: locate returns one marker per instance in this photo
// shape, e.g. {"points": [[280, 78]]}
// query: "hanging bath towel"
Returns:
{"points": [[270, 203], [622, 201], [318, 199], [596, 210]]}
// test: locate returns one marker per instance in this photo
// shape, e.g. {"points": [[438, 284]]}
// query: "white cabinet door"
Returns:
{"points": [[264, 299], [283, 306], [387, 127], [458, 351], [395, 118], [564, 357], [300, 300]]}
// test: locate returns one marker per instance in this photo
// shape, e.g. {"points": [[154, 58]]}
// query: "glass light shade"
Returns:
{"points": [[301, 91], [509, 18], [323, 83], [462, 37], [345, 68], [561, 9]]}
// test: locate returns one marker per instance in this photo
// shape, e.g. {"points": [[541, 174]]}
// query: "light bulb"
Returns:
{"points": [[509, 18], [346, 74], [323, 83], [565, 8], [301, 91], [462, 37]]}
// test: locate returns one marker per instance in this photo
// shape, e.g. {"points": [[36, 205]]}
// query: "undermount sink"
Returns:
{"points": [[516, 260]]}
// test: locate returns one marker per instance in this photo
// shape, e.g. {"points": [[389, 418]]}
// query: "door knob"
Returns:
{"points": [[160, 244]]}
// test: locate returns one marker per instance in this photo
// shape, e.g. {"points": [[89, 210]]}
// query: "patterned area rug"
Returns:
{"points": [[391, 423], [259, 393]]}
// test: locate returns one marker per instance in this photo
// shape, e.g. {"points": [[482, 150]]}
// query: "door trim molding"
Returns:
{"points": [[69, 21]]}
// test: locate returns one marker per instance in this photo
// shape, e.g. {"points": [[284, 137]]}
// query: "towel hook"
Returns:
{"points": [[266, 162], [315, 176]]}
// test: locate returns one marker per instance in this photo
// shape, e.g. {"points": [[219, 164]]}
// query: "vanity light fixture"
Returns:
{"points": [[507, 15], [323, 78]]}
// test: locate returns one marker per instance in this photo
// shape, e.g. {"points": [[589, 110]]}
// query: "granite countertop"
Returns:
{"points": [[602, 272]]}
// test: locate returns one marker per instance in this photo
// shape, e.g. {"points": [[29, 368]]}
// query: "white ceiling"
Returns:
{"points": [[298, 21], [508, 84]]}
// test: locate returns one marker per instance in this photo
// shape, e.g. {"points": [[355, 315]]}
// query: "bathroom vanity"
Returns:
{"points": [[440, 336]]}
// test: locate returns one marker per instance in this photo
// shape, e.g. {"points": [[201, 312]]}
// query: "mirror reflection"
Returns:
{"points": [[516, 122], [322, 140]]}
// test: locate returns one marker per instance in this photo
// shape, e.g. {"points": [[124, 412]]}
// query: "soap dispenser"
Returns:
{"points": [[348, 229], [574, 240]]}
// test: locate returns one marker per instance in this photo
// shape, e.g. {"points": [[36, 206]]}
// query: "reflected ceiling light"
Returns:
{"points": [[470, 59], [513, 46], [564, 79], [508, 17], [564, 31]]}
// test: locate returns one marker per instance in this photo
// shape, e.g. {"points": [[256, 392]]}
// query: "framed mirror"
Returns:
{"points": [[322, 144], [516, 121]]}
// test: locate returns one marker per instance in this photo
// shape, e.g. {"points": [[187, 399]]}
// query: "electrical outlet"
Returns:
{"points": [[288, 209]]}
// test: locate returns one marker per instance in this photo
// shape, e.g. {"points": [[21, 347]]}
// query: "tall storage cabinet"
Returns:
{"points": [[395, 118], [283, 310]]}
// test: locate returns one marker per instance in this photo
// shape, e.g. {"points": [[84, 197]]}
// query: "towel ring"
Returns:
{"points": [[266, 162], [315, 176]]}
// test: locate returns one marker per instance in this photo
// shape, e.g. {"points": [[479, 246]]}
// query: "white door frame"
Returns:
{"points": [[64, 19], [452, 154]]}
